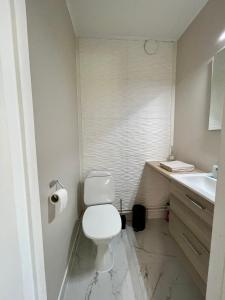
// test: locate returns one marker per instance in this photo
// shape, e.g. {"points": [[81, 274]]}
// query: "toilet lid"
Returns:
{"points": [[101, 222]]}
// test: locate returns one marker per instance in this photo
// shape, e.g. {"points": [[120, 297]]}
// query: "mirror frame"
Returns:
{"points": [[211, 62]]}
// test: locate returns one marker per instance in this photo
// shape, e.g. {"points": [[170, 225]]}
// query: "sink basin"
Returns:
{"points": [[201, 183]]}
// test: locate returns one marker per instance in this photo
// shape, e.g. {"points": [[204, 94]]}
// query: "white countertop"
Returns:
{"points": [[197, 181]]}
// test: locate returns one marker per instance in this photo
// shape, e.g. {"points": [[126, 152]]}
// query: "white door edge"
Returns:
{"points": [[216, 275]]}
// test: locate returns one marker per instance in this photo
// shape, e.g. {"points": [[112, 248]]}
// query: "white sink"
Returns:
{"points": [[201, 183]]}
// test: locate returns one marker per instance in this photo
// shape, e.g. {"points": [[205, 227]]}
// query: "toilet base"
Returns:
{"points": [[104, 259]]}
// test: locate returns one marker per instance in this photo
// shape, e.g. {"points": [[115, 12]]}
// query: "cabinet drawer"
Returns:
{"points": [[203, 208], [193, 249], [202, 230]]}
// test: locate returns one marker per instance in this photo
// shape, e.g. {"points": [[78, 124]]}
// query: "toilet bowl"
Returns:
{"points": [[101, 221]]}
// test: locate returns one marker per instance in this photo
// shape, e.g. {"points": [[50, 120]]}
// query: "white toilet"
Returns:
{"points": [[101, 220]]}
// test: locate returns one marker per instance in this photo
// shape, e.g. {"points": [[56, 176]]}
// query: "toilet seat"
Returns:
{"points": [[101, 222]]}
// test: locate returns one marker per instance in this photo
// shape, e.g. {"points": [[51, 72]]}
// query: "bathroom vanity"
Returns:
{"points": [[192, 199]]}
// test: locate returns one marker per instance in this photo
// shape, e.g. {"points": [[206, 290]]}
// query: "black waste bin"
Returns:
{"points": [[139, 216]]}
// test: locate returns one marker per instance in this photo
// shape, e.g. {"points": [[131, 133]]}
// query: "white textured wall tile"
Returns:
{"points": [[126, 113]]}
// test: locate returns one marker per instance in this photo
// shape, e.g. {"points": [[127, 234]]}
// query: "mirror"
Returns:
{"points": [[217, 91]]}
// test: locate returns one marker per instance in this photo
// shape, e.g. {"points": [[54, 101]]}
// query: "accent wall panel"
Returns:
{"points": [[127, 108]]}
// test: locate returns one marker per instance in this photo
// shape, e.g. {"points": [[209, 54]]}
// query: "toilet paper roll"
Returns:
{"points": [[59, 200]]}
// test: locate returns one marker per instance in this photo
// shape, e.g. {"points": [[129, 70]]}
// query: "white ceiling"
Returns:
{"points": [[156, 19]]}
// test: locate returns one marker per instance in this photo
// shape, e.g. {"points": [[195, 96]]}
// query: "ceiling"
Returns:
{"points": [[163, 20]]}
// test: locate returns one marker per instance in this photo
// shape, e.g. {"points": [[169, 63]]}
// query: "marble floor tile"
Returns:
{"points": [[160, 263], [87, 284], [146, 266]]}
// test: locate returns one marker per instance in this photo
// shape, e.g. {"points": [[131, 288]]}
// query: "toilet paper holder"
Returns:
{"points": [[56, 183]]}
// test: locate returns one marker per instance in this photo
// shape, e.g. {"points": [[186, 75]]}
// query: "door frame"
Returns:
{"points": [[216, 275], [15, 64], [17, 96]]}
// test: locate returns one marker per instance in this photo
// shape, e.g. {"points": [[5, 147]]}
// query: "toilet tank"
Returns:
{"points": [[98, 188]]}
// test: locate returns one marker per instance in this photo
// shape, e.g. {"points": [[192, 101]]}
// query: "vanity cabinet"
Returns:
{"points": [[193, 249], [200, 206], [191, 218], [202, 230]]}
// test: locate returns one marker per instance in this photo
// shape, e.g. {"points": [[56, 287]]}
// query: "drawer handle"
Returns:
{"points": [[187, 240], [195, 203]]}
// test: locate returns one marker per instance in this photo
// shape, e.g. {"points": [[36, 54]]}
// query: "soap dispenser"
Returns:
{"points": [[215, 169], [171, 157]]}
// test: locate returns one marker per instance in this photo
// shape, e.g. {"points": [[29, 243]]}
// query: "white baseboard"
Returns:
{"points": [[73, 248]]}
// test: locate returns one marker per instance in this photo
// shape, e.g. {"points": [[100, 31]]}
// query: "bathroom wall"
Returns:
{"points": [[127, 113], [192, 141], [53, 70]]}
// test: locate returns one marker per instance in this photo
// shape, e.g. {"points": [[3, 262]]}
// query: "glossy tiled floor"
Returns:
{"points": [[146, 266], [159, 259]]}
